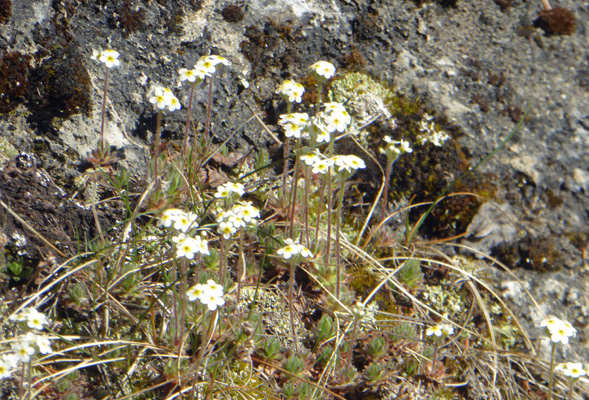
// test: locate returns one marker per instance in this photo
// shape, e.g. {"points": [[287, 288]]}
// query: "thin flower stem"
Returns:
{"points": [[295, 187], [352, 339], [546, 5], [551, 383], [434, 357], [29, 379], [286, 151], [188, 110], [103, 114], [156, 144], [240, 265], [338, 236], [385, 191], [307, 195], [319, 211], [290, 304], [209, 105], [572, 383], [222, 261], [328, 245]]}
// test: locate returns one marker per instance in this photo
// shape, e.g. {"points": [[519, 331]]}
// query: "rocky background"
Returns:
{"points": [[478, 66]]}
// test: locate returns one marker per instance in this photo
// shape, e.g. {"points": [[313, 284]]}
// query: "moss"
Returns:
{"points": [[14, 79], [232, 13], [557, 21], [5, 10], [59, 88], [538, 254], [129, 18]]}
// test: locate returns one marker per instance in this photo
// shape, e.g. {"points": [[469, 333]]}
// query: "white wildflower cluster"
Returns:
{"points": [[558, 330], [110, 58], [184, 222], [209, 294], [440, 330], [429, 132], [572, 370], [204, 67], [230, 189], [294, 250], [294, 124], [163, 97], [322, 70], [335, 117], [241, 215], [321, 164], [394, 148], [291, 90], [27, 345]]}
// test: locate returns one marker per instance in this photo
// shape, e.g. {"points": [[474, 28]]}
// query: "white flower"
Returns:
{"points": [[322, 166], [6, 366], [348, 163], [23, 350], [44, 345], [439, 330], [214, 287], [226, 229], [196, 292], [173, 102], [293, 130], [208, 63], [293, 249], [359, 311], [247, 212], [201, 245], [574, 370], [323, 69], [185, 221], [310, 157], [36, 320], [229, 188], [291, 90], [337, 119], [186, 247], [159, 98], [168, 217], [558, 330], [195, 75], [110, 58], [212, 299]]}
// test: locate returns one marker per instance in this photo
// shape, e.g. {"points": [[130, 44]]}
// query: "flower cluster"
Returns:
{"points": [[209, 294], [321, 164], [291, 90], [294, 124], [335, 117], [110, 58], [27, 345], [395, 148], [204, 67], [163, 97], [558, 330], [440, 330], [187, 246], [293, 249], [178, 219], [184, 222], [572, 370], [230, 189], [430, 134], [322, 70], [239, 216]]}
